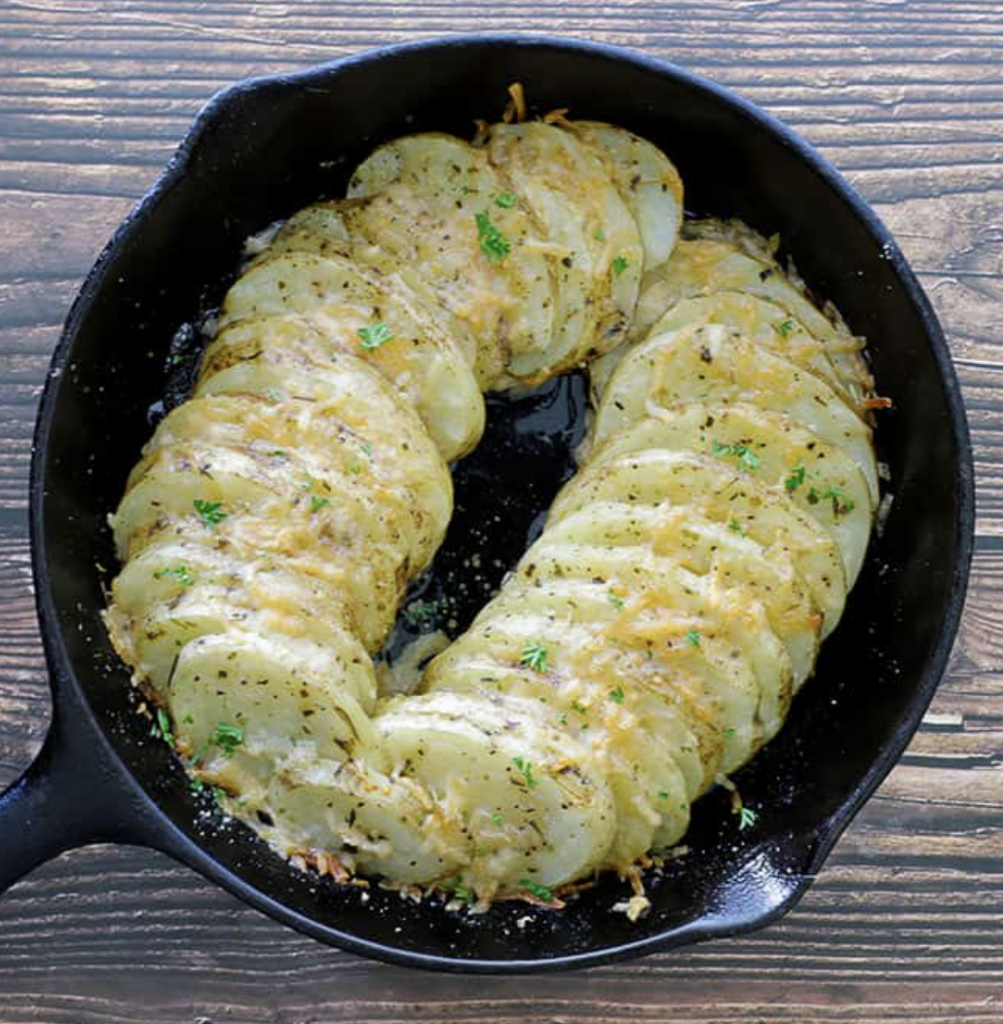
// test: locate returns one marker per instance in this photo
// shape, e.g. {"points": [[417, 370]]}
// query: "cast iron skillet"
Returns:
{"points": [[265, 147]]}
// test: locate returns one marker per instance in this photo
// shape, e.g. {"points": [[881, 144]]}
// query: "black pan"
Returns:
{"points": [[266, 147]]}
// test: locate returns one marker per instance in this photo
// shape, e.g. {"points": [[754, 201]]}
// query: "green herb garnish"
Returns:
{"points": [[525, 769], [614, 599], [210, 512], [784, 328], [541, 892], [456, 888], [161, 727], [179, 573], [534, 656], [747, 458], [620, 264], [506, 200], [492, 242], [227, 738], [498, 818], [693, 637], [316, 504], [617, 695], [735, 526], [795, 480], [419, 612], [374, 335], [747, 817], [841, 505]]}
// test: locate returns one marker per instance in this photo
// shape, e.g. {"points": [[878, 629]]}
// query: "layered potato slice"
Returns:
{"points": [[711, 549], [762, 322], [817, 477], [647, 181], [520, 798], [592, 232], [713, 257], [373, 317], [722, 494], [633, 733], [712, 364], [714, 644], [440, 207]]}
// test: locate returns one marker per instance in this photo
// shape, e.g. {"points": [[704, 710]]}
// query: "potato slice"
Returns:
{"points": [[374, 318], [692, 626], [704, 265], [817, 477], [591, 230], [648, 786], [723, 495], [713, 365], [438, 205], [527, 800], [278, 693], [371, 821], [647, 181], [418, 356], [348, 414], [346, 541], [709, 549]]}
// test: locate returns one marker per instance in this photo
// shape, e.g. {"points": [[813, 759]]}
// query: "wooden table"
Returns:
{"points": [[906, 921]]}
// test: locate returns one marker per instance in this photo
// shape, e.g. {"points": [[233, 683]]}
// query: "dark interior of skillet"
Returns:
{"points": [[274, 147]]}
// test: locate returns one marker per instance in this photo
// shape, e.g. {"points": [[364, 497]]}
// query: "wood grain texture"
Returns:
{"points": [[905, 923]]}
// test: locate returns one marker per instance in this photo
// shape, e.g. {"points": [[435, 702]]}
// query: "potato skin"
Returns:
{"points": [[652, 638]]}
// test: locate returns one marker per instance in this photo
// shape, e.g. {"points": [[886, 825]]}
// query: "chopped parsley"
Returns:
{"points": [[179, 573], [730, 731], [534, 656], [693, 637], [663, 794], [498, 818], [617, 695], [541, 892], [747, 458], [374, 335], [600, 235], [210, 512], [841, 505], [492, 242], [506, 200], [620, 264], [367, 449], [735, 526], [525, 769], [747, 817], [227, 737], [456, 888], [316, 504], [615, 599], [784, 328], [795, 480], [354, 468], [279, 454], [161, 727]]}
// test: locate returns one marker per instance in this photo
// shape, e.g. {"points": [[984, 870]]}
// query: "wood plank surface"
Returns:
{"points": [[905, 923]]}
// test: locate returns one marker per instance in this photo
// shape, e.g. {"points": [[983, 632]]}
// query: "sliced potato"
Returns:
{"points": [[374, 316], [594, 237], [647, 181], [723, 495], [710, 549], [483, 757], [277, 693], [702, 266], [819, 478], [440, 206], [370, 820], [693, 628], [713, 365]]}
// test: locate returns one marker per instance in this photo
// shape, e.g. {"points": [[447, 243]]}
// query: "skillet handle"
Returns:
{"points": [[68, 797]]}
